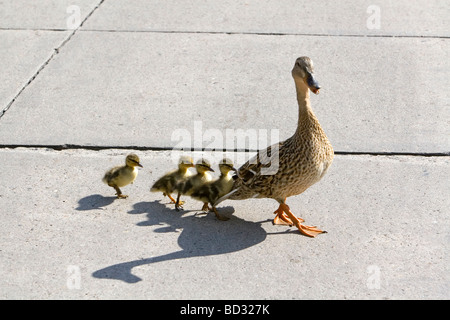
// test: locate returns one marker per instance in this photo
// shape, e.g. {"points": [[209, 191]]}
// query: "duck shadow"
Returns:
{"points": [[94, 201], [200, 235]]}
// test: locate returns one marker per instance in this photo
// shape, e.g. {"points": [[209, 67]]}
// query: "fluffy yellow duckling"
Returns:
{"points": [[121, 176], [167, 183], [194, 182], [212, 191]]}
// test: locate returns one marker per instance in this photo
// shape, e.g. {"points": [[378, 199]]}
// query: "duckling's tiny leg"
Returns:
{"points": [[178, 203], [119, 193], [218, 216], [205, 209], [309, 231], [172, 199]]}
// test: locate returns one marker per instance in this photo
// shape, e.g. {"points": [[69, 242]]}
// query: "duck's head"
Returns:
{"points": [[203, 166], [225, 166], [132, 160], [303, 72], [185, 162]]}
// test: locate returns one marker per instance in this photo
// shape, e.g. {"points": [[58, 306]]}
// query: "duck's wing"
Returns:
{"points": [[166, 183], [111, 175], [187, 186], [264, 163], [206, 193], [253, 179]]}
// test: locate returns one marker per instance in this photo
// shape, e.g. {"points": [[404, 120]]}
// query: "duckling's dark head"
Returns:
{"points": [[203, 165], [185, 162], [303, 71], [226, 165], [132, 160]]}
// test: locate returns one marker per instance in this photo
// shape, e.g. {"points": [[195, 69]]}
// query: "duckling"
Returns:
{"points": [[121, 176], [210, 192], [301, 160], [170, 180], [192, 183]]}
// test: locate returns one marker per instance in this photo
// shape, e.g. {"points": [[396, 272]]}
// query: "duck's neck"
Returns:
{"points": [[225, 175], [127, 165], [305, 112], [182, 170], [304, 104]]}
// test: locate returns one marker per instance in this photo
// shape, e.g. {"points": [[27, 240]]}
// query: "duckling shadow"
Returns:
{"points": [[199, 236], [94, 201]]}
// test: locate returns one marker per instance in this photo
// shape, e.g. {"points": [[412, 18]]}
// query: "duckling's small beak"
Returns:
{"points": [[139, 165], [210, 169], [313, 84]]}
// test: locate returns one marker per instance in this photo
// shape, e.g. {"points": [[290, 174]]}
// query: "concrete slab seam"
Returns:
{"points": [[348, 35], [153, 148], [46, 62]]}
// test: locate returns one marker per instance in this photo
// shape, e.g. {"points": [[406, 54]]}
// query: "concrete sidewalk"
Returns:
{"points": [[118, 76]]}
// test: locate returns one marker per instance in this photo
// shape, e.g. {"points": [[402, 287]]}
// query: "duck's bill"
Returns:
{"points": [[313, 84], [139, 165]]}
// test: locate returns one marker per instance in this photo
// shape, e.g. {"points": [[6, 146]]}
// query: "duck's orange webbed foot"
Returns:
{"points": [[119, 193], [205, 207], [285, 216], [281, 218]]}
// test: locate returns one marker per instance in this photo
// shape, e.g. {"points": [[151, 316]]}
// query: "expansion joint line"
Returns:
{"points": [[62, 147], [54, 53]]}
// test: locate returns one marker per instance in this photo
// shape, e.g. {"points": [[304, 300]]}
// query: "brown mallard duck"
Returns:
{"points": [[167, 183], [121, 176], [300, 161], [210, 192]]}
